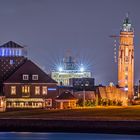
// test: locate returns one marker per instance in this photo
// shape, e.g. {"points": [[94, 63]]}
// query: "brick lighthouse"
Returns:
{"points": [[126, 58]]}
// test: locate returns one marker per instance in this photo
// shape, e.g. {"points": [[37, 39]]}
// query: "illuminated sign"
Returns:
{"points": [[51, 89]]}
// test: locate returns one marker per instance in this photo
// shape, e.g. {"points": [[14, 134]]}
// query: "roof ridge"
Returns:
{"points": [[11, 44]]}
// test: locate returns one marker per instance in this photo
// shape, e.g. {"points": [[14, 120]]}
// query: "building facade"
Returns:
{"points": [[23, 83], [29, 87], [126, 58], [69, 69], [80, 84]]}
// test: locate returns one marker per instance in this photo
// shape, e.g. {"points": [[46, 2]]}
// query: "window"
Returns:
{"points": [[25, 77], [126, 59], [25, 89], [11, 62], [44, 90], [13, 90], [126, 52], [126, 77], [37, 90], [126, 69], [48, 102], [34, 77]]}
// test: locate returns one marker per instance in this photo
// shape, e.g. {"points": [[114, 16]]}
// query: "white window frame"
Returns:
{"points": [[44, 90], [37, 90], [13, 90], [34, 77], [25, 77]]}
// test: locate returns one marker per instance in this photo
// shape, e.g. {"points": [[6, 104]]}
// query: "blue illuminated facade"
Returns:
{"points": [[11, 49], [10, 52]]}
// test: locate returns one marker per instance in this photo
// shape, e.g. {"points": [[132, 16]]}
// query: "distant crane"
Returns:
{"points": [[115, 37]]}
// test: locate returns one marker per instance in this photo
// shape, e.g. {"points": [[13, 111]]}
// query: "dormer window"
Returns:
{"points": [[34, 77], [25, 77]]}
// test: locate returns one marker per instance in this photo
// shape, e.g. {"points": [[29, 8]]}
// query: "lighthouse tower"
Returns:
{"points": [[126, 58]]}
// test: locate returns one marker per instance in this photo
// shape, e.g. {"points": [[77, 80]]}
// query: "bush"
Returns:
{"points": [[108, 102], [80, 102], [87, 103], [90, 103]]}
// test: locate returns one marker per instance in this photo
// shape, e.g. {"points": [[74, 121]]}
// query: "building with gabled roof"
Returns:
{"points": [[23, 83], [66, 100]]}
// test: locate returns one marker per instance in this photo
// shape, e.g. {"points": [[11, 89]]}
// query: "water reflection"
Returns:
{"points": [[63, 136]]}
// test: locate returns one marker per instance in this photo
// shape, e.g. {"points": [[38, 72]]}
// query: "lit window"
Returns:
{"points": [[126, 73], [34, 77], [126, 51], [13, 90], [25, 77], [48, 102], [11, 62], [25, 89], [37, 90], [44, 90]]}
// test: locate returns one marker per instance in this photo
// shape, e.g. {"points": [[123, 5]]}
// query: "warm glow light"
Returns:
{"points": [[2, 103]]}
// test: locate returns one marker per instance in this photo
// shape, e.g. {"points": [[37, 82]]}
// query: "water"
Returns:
{"points": [[63, 136]]}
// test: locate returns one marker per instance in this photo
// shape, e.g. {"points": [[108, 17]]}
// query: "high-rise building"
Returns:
{"points": [[126, 58]]}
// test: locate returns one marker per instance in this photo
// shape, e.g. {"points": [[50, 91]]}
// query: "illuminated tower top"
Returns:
{"points": [[69, 63], [11, 49], [127, 26]]}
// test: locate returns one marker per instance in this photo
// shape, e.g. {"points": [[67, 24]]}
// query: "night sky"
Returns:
{"points": [[49, 28]]}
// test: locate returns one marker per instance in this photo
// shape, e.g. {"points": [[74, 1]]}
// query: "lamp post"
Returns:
{"points": [[84, 92], [139, 89], [84, 96]]}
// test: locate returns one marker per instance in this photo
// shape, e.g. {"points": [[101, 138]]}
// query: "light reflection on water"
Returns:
{"points": [[64, 136]]}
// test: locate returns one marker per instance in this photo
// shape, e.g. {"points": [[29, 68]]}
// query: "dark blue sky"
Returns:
{"points": [[51, 27]]}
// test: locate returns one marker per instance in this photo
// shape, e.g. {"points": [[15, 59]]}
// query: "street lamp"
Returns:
{"points": [[84, 92]]}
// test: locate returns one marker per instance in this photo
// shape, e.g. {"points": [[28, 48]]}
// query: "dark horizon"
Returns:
{"points": [[49, 28]]}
